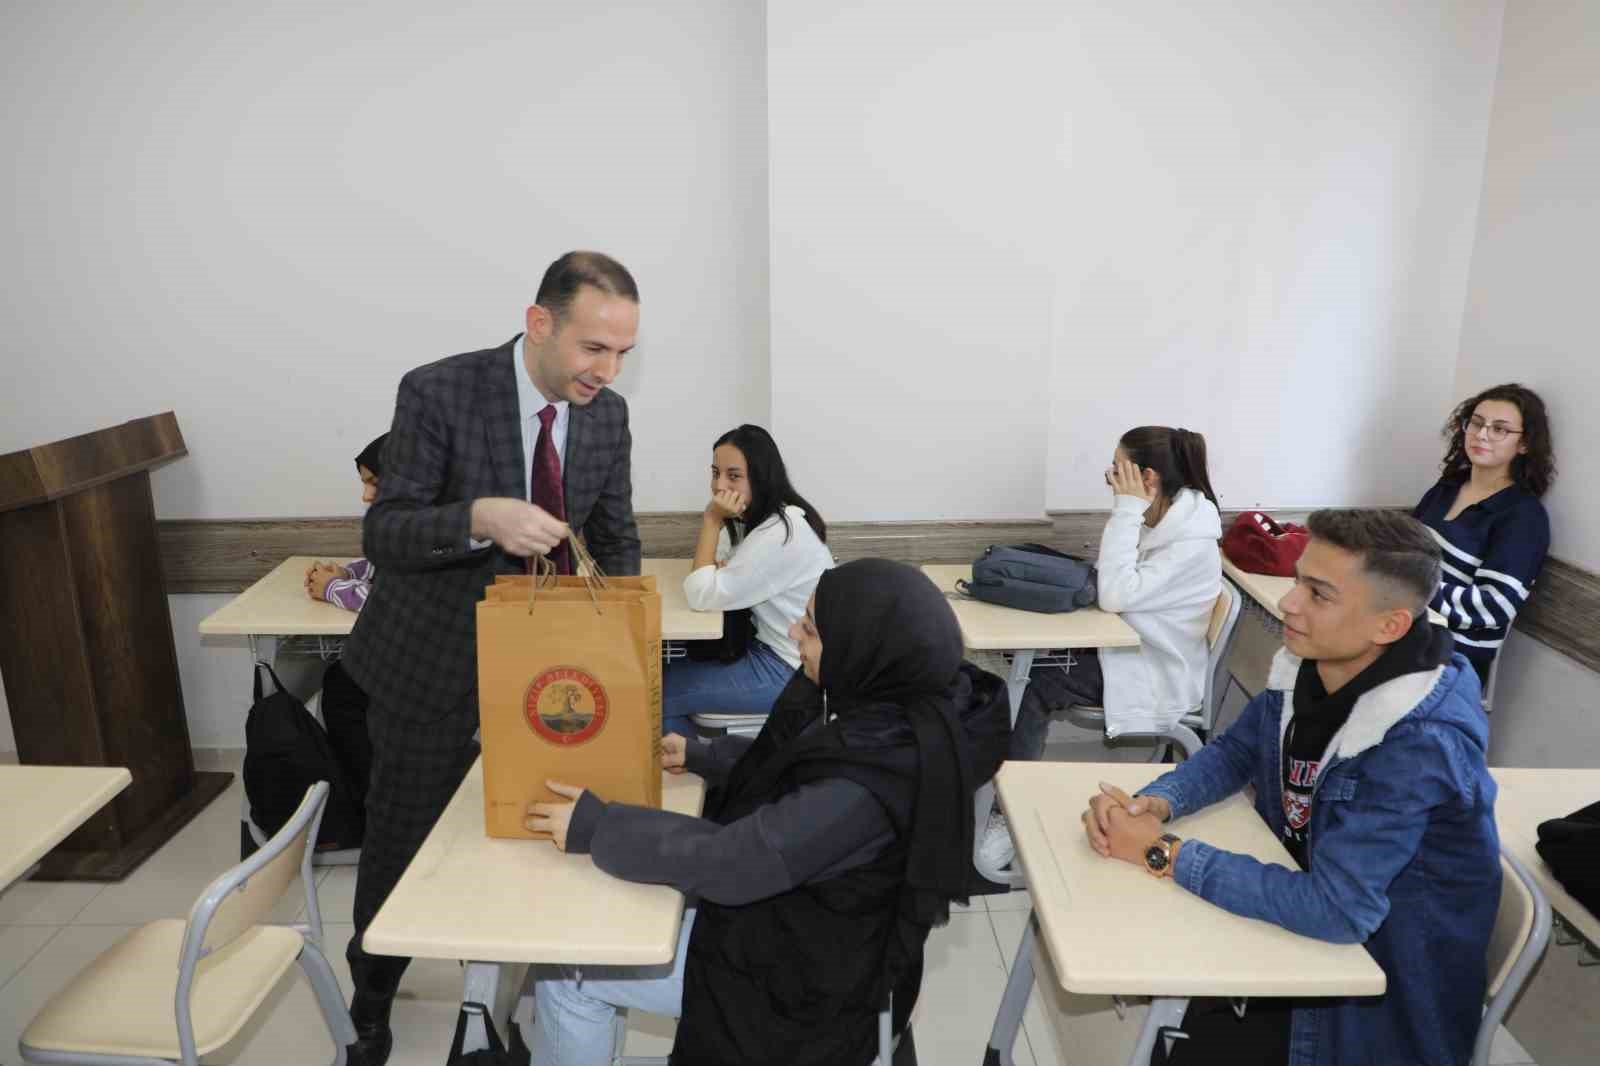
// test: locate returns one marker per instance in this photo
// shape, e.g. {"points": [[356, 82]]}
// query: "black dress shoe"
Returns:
{"points": [[372, 1047], [374, 1038]]}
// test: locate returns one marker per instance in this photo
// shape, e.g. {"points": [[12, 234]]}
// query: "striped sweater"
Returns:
{"points": [[1493, 552]]}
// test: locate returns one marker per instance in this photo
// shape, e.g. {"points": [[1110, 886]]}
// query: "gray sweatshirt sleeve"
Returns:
{"points": [[815, 832], [714, 759]]}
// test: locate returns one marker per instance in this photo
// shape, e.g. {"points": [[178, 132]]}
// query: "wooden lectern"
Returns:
{"points": [[91, 672]]}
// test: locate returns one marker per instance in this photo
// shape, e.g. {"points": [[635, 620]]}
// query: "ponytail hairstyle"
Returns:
{"points": [[1176, 455], [770, 491]]}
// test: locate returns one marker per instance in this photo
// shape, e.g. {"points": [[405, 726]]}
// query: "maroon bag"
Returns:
{"points": [[1258, 545]]}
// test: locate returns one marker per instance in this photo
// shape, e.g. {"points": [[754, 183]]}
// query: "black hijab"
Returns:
{"points": [[371, 457], [890, 643]]}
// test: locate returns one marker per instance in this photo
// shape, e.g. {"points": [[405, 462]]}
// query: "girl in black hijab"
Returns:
{"points": [[832, 843], [347, 586]]}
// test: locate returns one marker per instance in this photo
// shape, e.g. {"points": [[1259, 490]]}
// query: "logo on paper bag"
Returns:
{"points": [[566, 706]]}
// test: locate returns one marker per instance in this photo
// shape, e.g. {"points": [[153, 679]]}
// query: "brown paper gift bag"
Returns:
{"points": [[569, 689]]}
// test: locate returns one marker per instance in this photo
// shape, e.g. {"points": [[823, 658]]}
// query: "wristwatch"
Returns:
{"points": [[1158, 856]]}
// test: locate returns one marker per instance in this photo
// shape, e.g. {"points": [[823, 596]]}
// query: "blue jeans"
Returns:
{"points": [[1050, 688], [749, 685], [576, 1006]]}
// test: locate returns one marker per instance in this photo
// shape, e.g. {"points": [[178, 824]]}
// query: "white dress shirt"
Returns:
{"points": [[530, 401]]}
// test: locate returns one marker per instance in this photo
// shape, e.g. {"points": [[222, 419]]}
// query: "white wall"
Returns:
{"points": [[1529, 319], [1264, 220], [261, 215], [1003, 236], [998, 237], [911, 153]]}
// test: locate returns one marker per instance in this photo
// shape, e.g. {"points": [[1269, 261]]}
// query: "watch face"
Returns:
{"points": [[1155, 857]]}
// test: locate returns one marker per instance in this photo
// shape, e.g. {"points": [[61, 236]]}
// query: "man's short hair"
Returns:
{"points": [[1395, 548], [564, 277]]}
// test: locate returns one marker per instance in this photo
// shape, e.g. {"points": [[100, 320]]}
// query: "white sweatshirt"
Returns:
{"points": [[1163, 582], [773, 577]]}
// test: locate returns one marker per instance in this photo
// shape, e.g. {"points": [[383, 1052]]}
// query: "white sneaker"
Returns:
{"points": [[996, 851]]}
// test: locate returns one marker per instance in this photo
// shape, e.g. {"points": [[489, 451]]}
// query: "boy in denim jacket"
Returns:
{"points": [[1367, 755]]}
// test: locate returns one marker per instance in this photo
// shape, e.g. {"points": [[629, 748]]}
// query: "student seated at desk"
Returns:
{"points": [[762, 547], [1486, 514], [347, 586], [831, 844], [343, 703], [1366, 753], [1161, 569]]}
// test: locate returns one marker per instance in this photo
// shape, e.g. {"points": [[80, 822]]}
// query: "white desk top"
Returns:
{"points": [[1112, 928], [44, 804], [1528, 797], [988, 627], [277, 605], [678, 622], [470, 896], [1267, 590]]}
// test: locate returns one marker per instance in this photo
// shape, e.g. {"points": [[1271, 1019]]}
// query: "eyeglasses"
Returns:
{"points": [[1498, 431]]}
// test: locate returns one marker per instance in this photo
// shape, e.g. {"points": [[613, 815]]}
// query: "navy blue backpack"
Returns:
{"points": [[1031, 577]]}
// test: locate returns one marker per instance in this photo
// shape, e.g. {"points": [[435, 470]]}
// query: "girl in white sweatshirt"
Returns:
{"points": [[762, 547], [1160, 568]]}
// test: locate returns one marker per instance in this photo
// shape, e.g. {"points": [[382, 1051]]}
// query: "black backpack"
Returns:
{"points": [[1567, 845], [286, 752], [1031, 577], [496, 1054]]}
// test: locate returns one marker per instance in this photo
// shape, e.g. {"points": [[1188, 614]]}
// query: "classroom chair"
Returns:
{"points": [[1494, 675], [173, 990], [1220, 634], [892, 1050], [737, 725], [1521, 932]]}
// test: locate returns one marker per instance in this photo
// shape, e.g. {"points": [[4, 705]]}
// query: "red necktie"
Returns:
{"points": [[547, 483]]}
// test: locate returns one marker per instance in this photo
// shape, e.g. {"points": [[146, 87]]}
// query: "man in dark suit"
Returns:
{"points": [[494, 457]]}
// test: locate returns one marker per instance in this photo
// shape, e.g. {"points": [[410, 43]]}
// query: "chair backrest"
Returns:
{"points": [[1494, 673], [237, 902], [243, 897], [1513, 924], [1224, 626], [1521, 931], [1219, 614]]}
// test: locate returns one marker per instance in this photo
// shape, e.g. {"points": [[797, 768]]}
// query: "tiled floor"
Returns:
{"points": [[49, 931]]}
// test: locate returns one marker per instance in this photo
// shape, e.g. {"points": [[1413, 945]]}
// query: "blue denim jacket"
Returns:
{"points": [[1402, 851]]}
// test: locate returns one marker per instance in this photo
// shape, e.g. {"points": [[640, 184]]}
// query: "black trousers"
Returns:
{"points": [[1218, 1037], [416, 768]]}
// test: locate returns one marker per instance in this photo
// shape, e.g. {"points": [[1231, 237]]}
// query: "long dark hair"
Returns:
{"points": [[1176, 455], [1535, 469], [770, 491]]}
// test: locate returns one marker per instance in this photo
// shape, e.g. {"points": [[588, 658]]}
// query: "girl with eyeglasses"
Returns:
{"points": [[1486, 514]]}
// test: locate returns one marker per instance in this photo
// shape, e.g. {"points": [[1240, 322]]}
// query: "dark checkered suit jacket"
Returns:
{"points": [[456, 437]]}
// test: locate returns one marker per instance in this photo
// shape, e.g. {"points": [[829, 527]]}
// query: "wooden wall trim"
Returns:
{"points": [[1078, 532], [1564, 612], [228, 555]]}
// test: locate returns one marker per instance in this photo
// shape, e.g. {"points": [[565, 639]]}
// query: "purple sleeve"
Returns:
{"points": [[360, 569], [349, 593]]}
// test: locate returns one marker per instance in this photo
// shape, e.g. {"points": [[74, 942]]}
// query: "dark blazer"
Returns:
{"points": [[457, 436]]}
